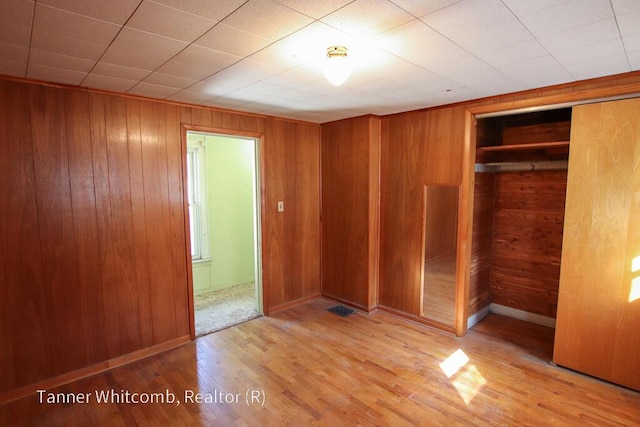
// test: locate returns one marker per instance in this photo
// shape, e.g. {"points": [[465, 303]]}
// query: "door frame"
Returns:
{"points": [[259, 214]]}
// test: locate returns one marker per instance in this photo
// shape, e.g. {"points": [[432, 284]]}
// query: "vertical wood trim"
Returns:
{"points": [[187, 231], [262, 188], [423, 250], [465, 225], [374, 211]]}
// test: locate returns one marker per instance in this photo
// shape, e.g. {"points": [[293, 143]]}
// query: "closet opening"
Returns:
{"points": [[518, 217]]}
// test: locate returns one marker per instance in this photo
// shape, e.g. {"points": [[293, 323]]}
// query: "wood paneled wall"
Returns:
{"points": [[291, 239], [93, 257], [482, 235], [350, 206], [418, 148], [527, 240]]}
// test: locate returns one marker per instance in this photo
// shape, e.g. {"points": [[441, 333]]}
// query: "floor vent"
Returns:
{"points": [[340, 310]]}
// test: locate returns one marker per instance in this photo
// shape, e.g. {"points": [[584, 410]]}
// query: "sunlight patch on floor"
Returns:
{"points": [[465, 377]]}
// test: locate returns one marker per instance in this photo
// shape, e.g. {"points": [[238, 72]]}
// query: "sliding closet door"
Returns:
{"points": [[598, 321]]}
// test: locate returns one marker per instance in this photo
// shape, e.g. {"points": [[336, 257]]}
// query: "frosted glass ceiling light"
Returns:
{"points": [[337, 67]]}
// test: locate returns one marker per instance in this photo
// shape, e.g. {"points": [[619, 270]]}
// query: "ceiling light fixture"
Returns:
{"points": [[337, 67]]}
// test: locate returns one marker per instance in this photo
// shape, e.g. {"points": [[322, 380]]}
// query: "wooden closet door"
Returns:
{"points": [[598, 321]]}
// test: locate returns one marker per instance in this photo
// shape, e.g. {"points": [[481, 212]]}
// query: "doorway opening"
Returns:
{"points": [[224, 226]]}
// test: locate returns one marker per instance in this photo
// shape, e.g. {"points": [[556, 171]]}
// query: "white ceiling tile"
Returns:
{"points": [[203, 57], [19, 12], [15, 34], [625, 6], [215, 10], [267, 88], [585, 35], [56, 75], [13, 68], [119, 71], [629, 23], [268, 19], [634, 59], [531, 66], [513, 53], [227, 102], [595, 67], [115, 11], [545, 77], [168, 80], [55, 21], [165, 21], [152, 91], [315, 9], [231, 40], [66, 46], [56, 60], [591, 53], [139, 49], [97, 81], [438, 58], [214, 88], [184, 70], [366, 18], [523, 7], [293, 78], [567, 15], [13, 52], [468, 14], [414, 36], [479, 40], [13, 59], [190, 97], [420, 8]]}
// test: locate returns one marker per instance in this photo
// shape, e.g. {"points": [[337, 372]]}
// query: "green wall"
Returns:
{"points": [[230, 166]]}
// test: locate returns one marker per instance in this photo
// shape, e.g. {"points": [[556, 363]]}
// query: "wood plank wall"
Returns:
{"points": [[418, 148], [527, 240], [350, 205], [93, 259], [482, 235]]}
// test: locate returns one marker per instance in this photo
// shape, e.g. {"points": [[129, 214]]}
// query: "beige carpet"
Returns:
{"points": [[224, 308]]}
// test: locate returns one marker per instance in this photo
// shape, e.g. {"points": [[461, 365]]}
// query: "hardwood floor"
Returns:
{"points": [[310, 367]]}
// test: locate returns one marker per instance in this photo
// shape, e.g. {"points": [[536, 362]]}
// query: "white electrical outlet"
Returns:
{"points": [[280, 206]]}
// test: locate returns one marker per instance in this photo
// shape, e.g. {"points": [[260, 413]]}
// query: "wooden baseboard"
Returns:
{"points": [[97, 368], [448, 329], [286, 305], [514, 313]]}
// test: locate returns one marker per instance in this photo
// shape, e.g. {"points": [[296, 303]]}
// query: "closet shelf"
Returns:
{"points": [[519, 147]]}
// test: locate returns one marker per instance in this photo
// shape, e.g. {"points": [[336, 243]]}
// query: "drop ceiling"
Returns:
{"points": [[266, 56]]}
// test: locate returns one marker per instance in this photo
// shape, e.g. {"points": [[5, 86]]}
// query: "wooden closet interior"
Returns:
{"points": [[519, 198]]}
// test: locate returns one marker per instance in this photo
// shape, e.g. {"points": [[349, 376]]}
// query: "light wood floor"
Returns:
{"points": [[316, 368]]}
